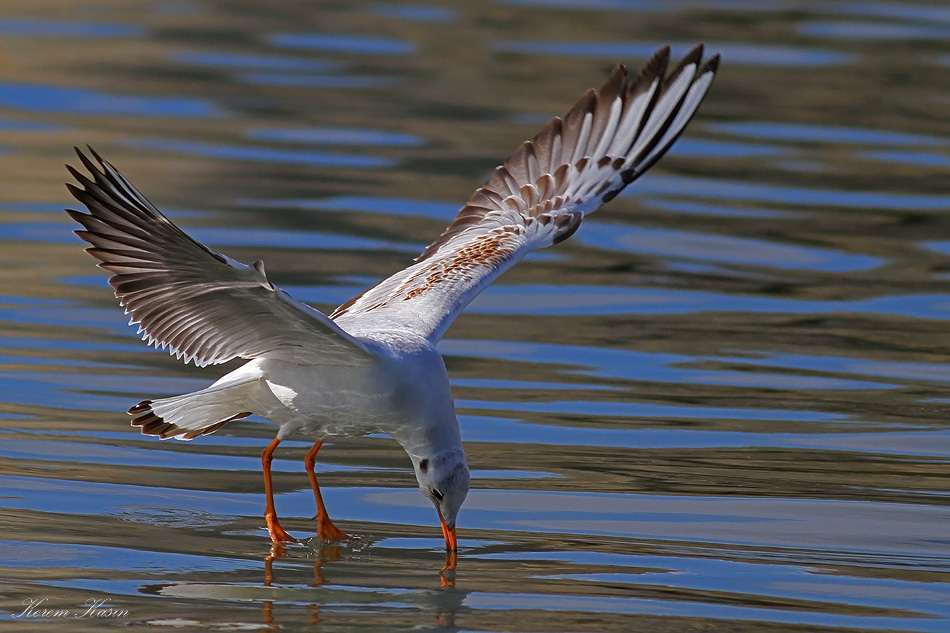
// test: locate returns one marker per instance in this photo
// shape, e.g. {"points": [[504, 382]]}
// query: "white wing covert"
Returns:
{"points": [[201, 305], [540, 195]]}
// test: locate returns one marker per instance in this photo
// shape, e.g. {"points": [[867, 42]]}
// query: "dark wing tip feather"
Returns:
{"points": [[96, 155], [655, 68], [657, 64], [76, 215], [614, 84], [711, 65], [695, 53], [693, 57], [75, 173], [86, 162]]}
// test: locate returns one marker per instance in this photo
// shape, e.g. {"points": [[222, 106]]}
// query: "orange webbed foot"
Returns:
{"points": [[327, 531], [277, 534]]}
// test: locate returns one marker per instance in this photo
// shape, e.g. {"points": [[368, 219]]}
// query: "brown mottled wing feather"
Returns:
{"points": [[201, 305], [542, 192]]}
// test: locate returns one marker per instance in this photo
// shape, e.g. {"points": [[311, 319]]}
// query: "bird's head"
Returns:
{"points": [[444, 480]]}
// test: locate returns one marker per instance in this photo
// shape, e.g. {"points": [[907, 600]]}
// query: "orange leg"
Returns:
{"points": [[325, 528], [277, 533]]}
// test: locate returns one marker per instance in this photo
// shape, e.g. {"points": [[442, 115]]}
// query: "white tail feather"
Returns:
{"points": [[192, 414]]}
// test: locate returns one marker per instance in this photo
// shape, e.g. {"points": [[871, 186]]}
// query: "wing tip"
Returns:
{"points": [[711, 65]]}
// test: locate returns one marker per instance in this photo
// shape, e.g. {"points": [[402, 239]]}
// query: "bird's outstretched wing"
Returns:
{"points": [[541, 194], [201, 305]]}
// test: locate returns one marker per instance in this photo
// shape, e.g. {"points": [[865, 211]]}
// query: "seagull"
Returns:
{"points": [[372, 365]]}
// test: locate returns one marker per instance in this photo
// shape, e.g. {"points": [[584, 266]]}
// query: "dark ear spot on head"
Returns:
{"points": [[424, 466]]}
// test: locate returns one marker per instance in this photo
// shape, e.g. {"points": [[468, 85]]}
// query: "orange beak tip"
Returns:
{"points": [[451, 541]]}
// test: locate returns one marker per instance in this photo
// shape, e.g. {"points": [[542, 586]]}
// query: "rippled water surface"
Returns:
{"points": [[722, 406]]}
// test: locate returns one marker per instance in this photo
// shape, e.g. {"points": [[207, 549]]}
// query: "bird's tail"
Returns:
{"points": [[187, 416]]}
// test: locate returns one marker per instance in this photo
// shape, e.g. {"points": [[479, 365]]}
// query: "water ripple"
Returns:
{"points": [[747, 54], [47, 98]]}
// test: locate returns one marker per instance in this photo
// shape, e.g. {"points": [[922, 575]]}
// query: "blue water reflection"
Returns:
{"points": [[248, 61], [265, 154], [736, 53], [793, 196], [337, 136], [47, 98], [336, 43], [803, 133], [32, 27], [865, 31], [720, 248]]}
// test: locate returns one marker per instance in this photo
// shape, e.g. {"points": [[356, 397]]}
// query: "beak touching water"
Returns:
{"points": [[451, 554], [448, 533]]}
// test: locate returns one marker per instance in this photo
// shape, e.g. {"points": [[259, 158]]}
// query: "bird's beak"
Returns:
{"points": [[451, 544]]}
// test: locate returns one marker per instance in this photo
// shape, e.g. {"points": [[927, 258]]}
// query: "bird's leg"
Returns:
{"points": [[325, 528], [277, 533]]}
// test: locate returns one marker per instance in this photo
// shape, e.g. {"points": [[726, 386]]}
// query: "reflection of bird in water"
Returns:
{"points": [[372, 365], [323, 555], [441, 605]]}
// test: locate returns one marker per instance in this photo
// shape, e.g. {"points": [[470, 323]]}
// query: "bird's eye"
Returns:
{"points": [[436, 494]]}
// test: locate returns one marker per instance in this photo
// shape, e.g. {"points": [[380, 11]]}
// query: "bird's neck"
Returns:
{"points": [[432, 439]]}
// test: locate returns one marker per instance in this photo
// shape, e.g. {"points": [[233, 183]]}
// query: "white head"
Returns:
{"points": [[444, 479]]}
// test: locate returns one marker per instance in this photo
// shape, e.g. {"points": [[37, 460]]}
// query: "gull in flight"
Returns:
{"points": [[372, 365]]}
